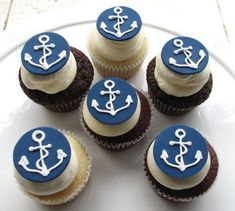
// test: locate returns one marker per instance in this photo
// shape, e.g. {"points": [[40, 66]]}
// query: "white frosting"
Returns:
{"points": [[116, 50], [111, 130], [171, 182], [58, 184], [52, 83], [179, 85]]}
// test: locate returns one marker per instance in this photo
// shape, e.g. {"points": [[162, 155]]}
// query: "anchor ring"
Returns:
{"points": [[109, 84], [38, 135], [117, 10], [44, 39], [178, 42], [180, 133]]}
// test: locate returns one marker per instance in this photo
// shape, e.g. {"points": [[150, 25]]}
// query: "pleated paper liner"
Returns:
{"points": [[167, 109]]}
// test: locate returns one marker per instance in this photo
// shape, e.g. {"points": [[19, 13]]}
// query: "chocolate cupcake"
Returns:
{"points": [[115, 114], [180, 164], [51, 167], [118, 46], [179, 79], [53, 74]]}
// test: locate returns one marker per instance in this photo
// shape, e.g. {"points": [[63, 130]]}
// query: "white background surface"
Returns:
{"points": [[117, 181]]}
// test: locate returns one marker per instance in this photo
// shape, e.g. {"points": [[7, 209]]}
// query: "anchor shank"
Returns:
{"points": [[188, 55]]}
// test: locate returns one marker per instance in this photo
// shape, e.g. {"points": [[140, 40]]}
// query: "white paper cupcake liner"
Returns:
{"points": [[172, 198], [77, 191], [117, 146]]}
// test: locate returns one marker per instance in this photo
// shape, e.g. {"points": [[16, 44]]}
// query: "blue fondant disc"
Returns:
{"points": [[45, 53], [112, 101], [119, 23], [180, 151], [185, 55], [37, 153]]}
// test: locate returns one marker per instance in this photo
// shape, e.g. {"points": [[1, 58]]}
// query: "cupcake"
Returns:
{"points": [[53, 74], [180, 163], [115, 114], [51, 167], [179, 79], [118, 46]]}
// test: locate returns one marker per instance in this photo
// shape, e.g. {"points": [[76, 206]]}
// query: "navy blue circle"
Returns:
{"points": [[168, 55], [53, 137], [191, 135], [125, 89], [130, 16], [58, 46]]}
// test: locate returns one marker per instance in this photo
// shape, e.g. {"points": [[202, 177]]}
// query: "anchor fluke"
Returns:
{"points": [[23, 161], [94, 103], [198, 155], [27, 57], [62, 54], [164, 155], [103, 25], [172, 60], [134, 25], [129, 99], [61, 154], [202, 53]]}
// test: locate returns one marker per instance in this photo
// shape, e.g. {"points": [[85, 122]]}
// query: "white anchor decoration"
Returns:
{"points": [[120, 20], [109, 84], [44, 39], [40, 163], [179, 159], [187, 52]]}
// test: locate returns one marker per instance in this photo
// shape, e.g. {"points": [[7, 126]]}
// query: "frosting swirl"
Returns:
{"points": [[179, 85], [116, 50], [52, 83]]}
